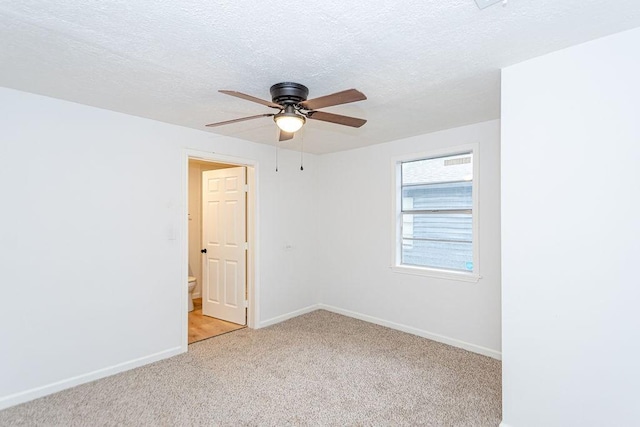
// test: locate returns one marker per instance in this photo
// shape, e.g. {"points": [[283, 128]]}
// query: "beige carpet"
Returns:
{"points": [[316, 369]]}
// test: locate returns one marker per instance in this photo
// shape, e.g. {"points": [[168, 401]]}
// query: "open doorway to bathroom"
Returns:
{"points": [[221, 209]]}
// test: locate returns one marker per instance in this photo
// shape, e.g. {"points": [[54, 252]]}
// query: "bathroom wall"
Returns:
{"points": [[195, 227]]}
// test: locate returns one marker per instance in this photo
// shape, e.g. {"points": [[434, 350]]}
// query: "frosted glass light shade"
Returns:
{"points": [[289, 122]]}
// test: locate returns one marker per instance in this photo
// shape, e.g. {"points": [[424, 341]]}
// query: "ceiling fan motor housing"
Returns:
{"points": [[288, 93]]}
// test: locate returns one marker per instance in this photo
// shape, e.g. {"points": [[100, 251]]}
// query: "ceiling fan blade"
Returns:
{"points": [[285, 136], [251, 98], [338, 98], [226, 122], [336, 118]]}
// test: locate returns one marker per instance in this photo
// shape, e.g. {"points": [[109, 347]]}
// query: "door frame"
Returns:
{"points": [[253, 283]]}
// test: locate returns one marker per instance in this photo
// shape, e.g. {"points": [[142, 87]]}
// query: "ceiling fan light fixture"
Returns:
{"points": [[289, 121], [294, 107]]}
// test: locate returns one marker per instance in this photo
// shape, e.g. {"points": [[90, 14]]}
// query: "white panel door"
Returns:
{"points": [[224, 236]]}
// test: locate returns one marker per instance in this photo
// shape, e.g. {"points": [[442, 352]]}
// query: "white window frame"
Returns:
{"points": [[396, 253]]}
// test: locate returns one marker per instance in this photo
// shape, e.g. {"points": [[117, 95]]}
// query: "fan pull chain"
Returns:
{"points": [[301, 150], [277, 142]]}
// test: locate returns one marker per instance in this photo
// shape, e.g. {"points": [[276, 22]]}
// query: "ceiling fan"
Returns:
{"points": [[294, 108]]}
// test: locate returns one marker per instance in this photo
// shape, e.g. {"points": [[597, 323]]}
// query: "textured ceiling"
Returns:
{"points": [[424, 65]]}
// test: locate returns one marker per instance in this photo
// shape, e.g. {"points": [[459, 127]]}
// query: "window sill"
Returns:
{"points": [[440, 274]]}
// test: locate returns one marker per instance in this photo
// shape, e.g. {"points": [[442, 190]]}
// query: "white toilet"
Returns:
{"points": [[192, 286]]}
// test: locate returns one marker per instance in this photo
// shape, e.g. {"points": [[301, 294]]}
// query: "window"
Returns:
{"points": [[435, 215]]}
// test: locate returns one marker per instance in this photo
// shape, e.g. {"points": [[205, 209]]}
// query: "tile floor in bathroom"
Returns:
{"points": [[202, 327]]}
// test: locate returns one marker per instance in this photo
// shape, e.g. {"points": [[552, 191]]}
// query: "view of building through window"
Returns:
{"points": [[437, 214]]}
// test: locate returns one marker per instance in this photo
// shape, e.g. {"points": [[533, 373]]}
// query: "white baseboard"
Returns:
{"points": [[288, 316], [503, 424], [415, 331], [34, 393], [196, 295]]}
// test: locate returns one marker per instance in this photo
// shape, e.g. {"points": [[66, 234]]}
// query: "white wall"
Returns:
{"points": [[91, 278], [571, 236], [356, 240]]}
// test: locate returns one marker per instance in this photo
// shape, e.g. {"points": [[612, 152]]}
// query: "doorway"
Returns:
{"points": [[221, 210]]}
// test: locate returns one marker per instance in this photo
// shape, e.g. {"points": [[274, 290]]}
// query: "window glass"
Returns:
{"points": [[458, 167], [438, 254], [437, 212], [454, 195]]}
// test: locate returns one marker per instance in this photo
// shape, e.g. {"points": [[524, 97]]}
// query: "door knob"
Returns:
{"points": [[204, 251]]}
